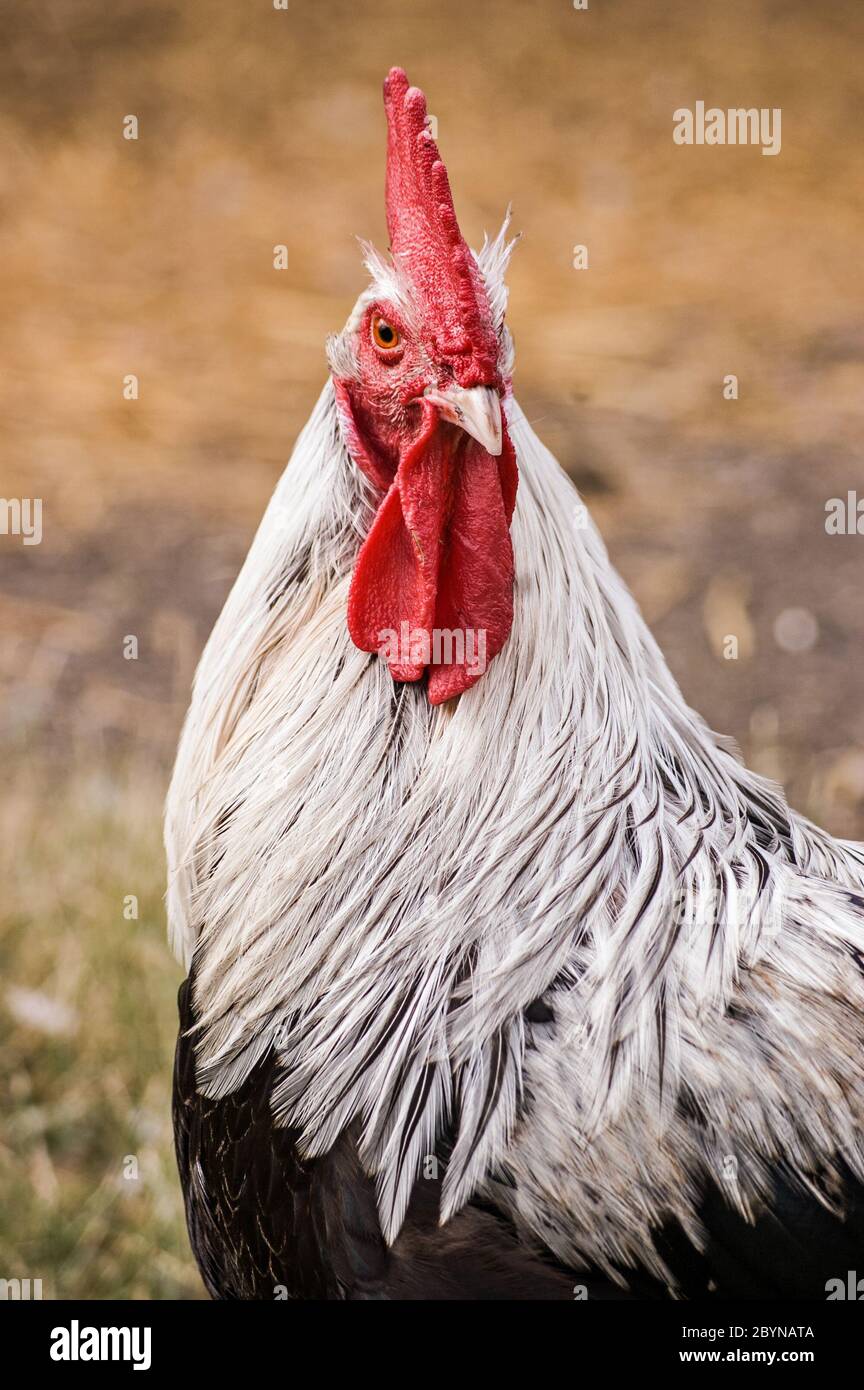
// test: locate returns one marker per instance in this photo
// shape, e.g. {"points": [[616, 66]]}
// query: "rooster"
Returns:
{"points": [[506, 979]]}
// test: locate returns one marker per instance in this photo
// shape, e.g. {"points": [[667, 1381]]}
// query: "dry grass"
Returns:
{"points": [[155, 257]]}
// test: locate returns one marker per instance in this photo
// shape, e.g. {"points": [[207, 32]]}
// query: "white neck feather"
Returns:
{"points": [[378, 888]]}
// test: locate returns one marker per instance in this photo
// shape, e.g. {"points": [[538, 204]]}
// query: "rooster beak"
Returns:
{"points": [[477, 411]]}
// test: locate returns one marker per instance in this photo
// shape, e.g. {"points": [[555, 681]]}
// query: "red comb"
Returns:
{"points": [[426, 241]]}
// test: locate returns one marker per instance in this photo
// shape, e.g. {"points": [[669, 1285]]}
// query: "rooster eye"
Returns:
{"points": [[384, 335]]}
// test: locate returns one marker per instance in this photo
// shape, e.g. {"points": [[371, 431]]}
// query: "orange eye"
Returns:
{"points": [[384, 335]]}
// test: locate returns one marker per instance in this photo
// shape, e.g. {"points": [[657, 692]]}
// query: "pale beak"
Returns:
{"points": [[477, 411]]}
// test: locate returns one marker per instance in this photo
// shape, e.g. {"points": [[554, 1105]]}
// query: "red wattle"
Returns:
{"points": [[435, 572], [475, 590]]}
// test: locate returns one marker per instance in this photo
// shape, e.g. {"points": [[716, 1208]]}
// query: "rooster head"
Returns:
{"points": [[420, 372]]}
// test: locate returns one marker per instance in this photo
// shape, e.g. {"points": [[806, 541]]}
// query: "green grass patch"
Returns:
{"points": [[91, 1198]]}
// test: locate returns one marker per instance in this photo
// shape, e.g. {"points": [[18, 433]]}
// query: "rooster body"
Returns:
{"points": [[505, 979]]}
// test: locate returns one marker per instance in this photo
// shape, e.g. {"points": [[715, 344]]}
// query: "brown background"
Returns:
{"points": [[155, 257]]}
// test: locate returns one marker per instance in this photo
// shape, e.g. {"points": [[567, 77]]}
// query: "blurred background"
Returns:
{"points": [[154, 257]]}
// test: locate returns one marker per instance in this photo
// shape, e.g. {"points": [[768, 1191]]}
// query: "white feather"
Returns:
{"points": [[378, 888]]}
